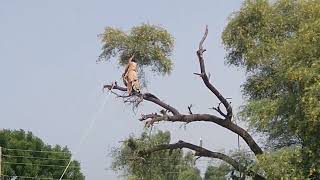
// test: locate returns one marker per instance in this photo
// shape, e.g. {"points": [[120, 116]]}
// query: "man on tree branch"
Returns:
{"points": [[130, 77]]}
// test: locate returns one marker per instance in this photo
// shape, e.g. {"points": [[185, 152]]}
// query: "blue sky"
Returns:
{"points": [[51, 84]]}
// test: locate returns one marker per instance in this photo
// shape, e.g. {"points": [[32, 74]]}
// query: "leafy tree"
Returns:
{"points": [[168, 165], [278, 43], [281, 164], [217, 172], [27, 155], [151, 45], [189, 174]]}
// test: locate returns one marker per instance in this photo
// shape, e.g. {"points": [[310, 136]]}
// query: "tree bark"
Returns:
{"points": [[202, 152]]}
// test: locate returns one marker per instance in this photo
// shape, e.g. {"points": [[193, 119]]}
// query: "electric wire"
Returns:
{"points": [[29, 150], [29, 177], [34, 157], [31, 164]]}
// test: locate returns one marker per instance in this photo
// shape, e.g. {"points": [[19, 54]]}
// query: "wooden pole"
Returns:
{"points": [[0, 163]]}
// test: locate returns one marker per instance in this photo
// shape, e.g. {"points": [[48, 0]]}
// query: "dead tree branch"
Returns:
{"points": [[209, 118], [202, 152], [146, 96], [189, 108], [205, 78], [218, 109]]}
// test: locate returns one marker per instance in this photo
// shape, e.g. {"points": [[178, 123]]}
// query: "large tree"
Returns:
{"points": [[277, 43], [25, 156], [171, 114]]}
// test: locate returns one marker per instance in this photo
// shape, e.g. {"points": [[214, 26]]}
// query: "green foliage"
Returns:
{"points": [[217, 172], [223, 170], [278, 44], [189, 174], [280, 164], [152, 45], [32, 163], [161, 165]]}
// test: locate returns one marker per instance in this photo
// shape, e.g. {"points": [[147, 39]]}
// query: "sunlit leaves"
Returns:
{"points": [[280, 164], [278, 43], [152, 46]]}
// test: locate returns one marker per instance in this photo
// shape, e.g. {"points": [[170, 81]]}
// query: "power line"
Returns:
{"points": [[29, 177], [29, 150], [31, 164], [34, 157]]}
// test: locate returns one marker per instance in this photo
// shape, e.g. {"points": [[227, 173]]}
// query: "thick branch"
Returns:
{"points": [[114, 86], [150, 97], [210, 118], [200, 151], [146, 96], [205, 78]]}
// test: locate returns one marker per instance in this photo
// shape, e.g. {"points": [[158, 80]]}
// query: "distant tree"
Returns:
{"points": [[27, 155], [165, 165]]}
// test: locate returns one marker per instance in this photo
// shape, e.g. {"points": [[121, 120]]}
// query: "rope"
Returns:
{"points": [[89, 129]]}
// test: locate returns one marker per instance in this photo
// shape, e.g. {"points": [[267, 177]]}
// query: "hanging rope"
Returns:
{"points": [[89, 129]]}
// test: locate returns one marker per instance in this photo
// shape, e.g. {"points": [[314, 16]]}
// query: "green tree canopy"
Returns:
{"points": [[278, 43], [24, 154], [163, 165], [280, 164], [151, 45], [217, 172]]}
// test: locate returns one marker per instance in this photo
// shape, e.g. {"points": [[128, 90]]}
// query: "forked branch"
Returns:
{"points": [[205, 78]]}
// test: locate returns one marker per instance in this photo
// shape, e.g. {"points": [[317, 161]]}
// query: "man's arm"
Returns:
{"points": [[130, 59]]}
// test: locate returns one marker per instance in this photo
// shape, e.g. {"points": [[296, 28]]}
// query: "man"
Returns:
{"points": [[130, 77]]}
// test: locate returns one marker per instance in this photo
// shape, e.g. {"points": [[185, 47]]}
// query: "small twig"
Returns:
{"points": [[218, 109], [119, 96], [202, 40], [197, 158], [189, 108], [198, 74]]}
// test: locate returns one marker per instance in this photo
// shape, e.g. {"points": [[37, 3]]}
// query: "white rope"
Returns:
{"points": [[88, 130]]}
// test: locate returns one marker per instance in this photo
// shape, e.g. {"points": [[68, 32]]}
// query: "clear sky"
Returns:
{"points": [[51, 84]]}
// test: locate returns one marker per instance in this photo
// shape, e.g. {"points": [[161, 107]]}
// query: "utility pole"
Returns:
{"points": [[0, 162]]}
